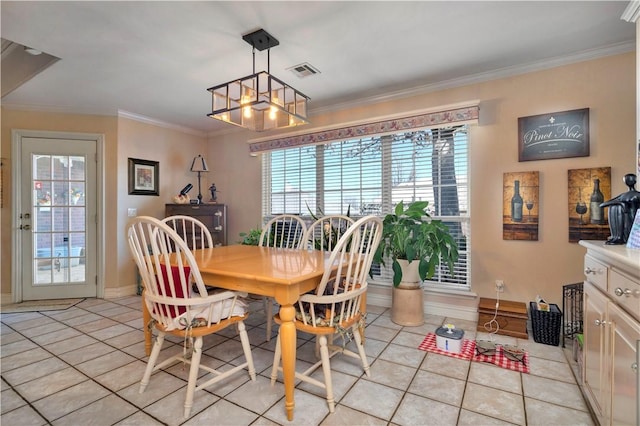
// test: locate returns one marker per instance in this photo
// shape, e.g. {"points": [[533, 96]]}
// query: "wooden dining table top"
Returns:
{"points": [[262, 264]]}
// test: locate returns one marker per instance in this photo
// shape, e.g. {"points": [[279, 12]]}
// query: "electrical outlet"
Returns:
{"points": [[499, 286]]}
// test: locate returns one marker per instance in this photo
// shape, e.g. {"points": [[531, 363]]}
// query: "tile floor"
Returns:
{"points": [[81, 366]]}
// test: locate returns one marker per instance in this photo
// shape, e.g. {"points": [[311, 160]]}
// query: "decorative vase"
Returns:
{"points": [[407, 306], [410, 274]]}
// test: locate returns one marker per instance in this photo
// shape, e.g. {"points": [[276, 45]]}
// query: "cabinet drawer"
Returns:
{"points": [[625, 292], [596, 272]]}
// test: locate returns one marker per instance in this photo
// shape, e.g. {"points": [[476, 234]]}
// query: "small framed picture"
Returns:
{"points": [[555, 135], [144, 177]]}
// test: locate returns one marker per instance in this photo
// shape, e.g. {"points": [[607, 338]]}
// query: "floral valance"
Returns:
{"points": [[467, 114]]}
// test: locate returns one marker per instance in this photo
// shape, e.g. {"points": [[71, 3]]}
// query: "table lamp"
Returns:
{"points": [[199, 165]]}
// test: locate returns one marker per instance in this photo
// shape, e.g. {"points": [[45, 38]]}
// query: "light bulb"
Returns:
{"points": [[246, 111], [273, 113]]}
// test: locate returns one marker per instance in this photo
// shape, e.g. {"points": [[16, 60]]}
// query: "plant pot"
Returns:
{"points": [[410, 274], [407, 307]]}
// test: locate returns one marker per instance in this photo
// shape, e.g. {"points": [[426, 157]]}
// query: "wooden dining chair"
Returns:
{"points": [[193, 231], [282, 231], [324, 233], [334, 308], [169, 272]]}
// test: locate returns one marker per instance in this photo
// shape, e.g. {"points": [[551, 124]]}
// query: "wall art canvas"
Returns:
{"points": [[554, 135], [587, 189], [520, 206]]}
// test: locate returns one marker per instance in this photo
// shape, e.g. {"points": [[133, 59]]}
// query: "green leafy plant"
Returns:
{"points": [[251, 238], [412, 235]]}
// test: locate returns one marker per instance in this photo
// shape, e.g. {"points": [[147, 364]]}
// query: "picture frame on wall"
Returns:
{"points": [[521, 206], [555, 135], [144, 177], [587, 189]]}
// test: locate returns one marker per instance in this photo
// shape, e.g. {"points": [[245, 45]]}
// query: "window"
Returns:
{"points": [[370, 176]]}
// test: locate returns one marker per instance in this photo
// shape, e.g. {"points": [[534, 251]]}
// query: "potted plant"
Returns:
{"points": [[416, 245], [251, 238]]}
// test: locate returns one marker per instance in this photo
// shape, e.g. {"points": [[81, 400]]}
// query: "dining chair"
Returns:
{"points": [[193, 231], [324, 233], [282, 231], [169, 273], [334, 308]]}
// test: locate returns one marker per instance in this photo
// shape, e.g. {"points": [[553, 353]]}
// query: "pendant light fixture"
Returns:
{"points": [[259, 101]]}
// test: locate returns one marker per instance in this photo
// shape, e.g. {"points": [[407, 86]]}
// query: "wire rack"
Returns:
{"points": [[572, 308]]}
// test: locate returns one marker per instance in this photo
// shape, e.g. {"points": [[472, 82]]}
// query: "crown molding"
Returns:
{"points": [[148, 120], [481, 77], [632, 12]]}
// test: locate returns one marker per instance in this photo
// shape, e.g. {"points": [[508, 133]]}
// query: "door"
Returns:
{"points": [[57, 221]]}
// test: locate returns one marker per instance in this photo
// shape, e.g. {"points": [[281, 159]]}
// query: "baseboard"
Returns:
{"points": [[452, 304], [6, 298], [114, 293]]}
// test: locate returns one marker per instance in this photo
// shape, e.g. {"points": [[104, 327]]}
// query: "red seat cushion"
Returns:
{"points": [[174, 311]]}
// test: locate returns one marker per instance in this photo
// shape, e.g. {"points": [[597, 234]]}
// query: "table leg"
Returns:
{"points": [[288, 346], [146, 317]]}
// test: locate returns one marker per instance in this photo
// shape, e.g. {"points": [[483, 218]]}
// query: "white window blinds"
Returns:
{"points": [[370, 175]]}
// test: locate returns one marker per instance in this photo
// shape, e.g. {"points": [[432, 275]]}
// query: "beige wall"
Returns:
{"points": [[606, 86], [174, 150]]}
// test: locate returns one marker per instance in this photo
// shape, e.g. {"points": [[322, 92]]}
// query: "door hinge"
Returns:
{"points": [[96, 280]]}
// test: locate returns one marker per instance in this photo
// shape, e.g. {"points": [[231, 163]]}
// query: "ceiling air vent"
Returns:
{"points": [[303, 70]]}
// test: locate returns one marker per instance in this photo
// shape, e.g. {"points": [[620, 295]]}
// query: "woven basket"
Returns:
{"points": [[546, 325]]}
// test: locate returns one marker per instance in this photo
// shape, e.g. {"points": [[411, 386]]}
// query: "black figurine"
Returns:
{"points": [[622, 211], [213, 190]]}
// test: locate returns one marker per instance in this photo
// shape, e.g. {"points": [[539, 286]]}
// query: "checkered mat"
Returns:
{"points": [[468, 352]]}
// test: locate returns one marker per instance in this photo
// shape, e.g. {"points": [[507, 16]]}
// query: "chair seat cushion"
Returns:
{"points": [[199, 314]]}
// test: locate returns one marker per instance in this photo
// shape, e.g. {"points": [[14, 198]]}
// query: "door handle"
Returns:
{"points": [[25, 227]]}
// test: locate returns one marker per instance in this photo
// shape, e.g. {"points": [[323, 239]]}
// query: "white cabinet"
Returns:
{"points": [[612, 332]]}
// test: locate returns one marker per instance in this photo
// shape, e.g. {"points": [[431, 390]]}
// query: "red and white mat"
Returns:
{"points": [[468, 352]]}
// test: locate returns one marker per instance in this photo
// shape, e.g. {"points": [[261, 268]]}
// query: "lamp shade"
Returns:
{"points": [[199, 164]]}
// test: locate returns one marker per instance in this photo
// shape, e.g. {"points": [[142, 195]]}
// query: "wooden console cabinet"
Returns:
{"points": [[214, 216], [611, 332], [511, 317]]}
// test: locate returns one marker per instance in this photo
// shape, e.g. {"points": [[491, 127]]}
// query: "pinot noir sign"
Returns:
{"points": [[555, 135]]}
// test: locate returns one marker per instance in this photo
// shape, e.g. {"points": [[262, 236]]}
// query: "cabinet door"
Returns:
{"points": [[595, 341], [624, 399]]}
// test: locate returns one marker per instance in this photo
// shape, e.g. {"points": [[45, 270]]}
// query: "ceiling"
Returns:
{"points": [[155, 60]]}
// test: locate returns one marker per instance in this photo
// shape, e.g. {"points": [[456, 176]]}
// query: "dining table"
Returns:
{"points": [[283, 274]]}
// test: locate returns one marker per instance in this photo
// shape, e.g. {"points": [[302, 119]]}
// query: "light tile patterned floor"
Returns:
{"points": [[82, 366]]}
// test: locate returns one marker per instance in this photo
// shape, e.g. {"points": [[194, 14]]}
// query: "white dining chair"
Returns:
{"points": [[282, 231], [323, 234], [334, 309], [193, 231], [169, 272]]}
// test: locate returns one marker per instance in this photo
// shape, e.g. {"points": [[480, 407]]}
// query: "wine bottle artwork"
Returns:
{"points": [[516, 203], [596, 214], [581, 207]]}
